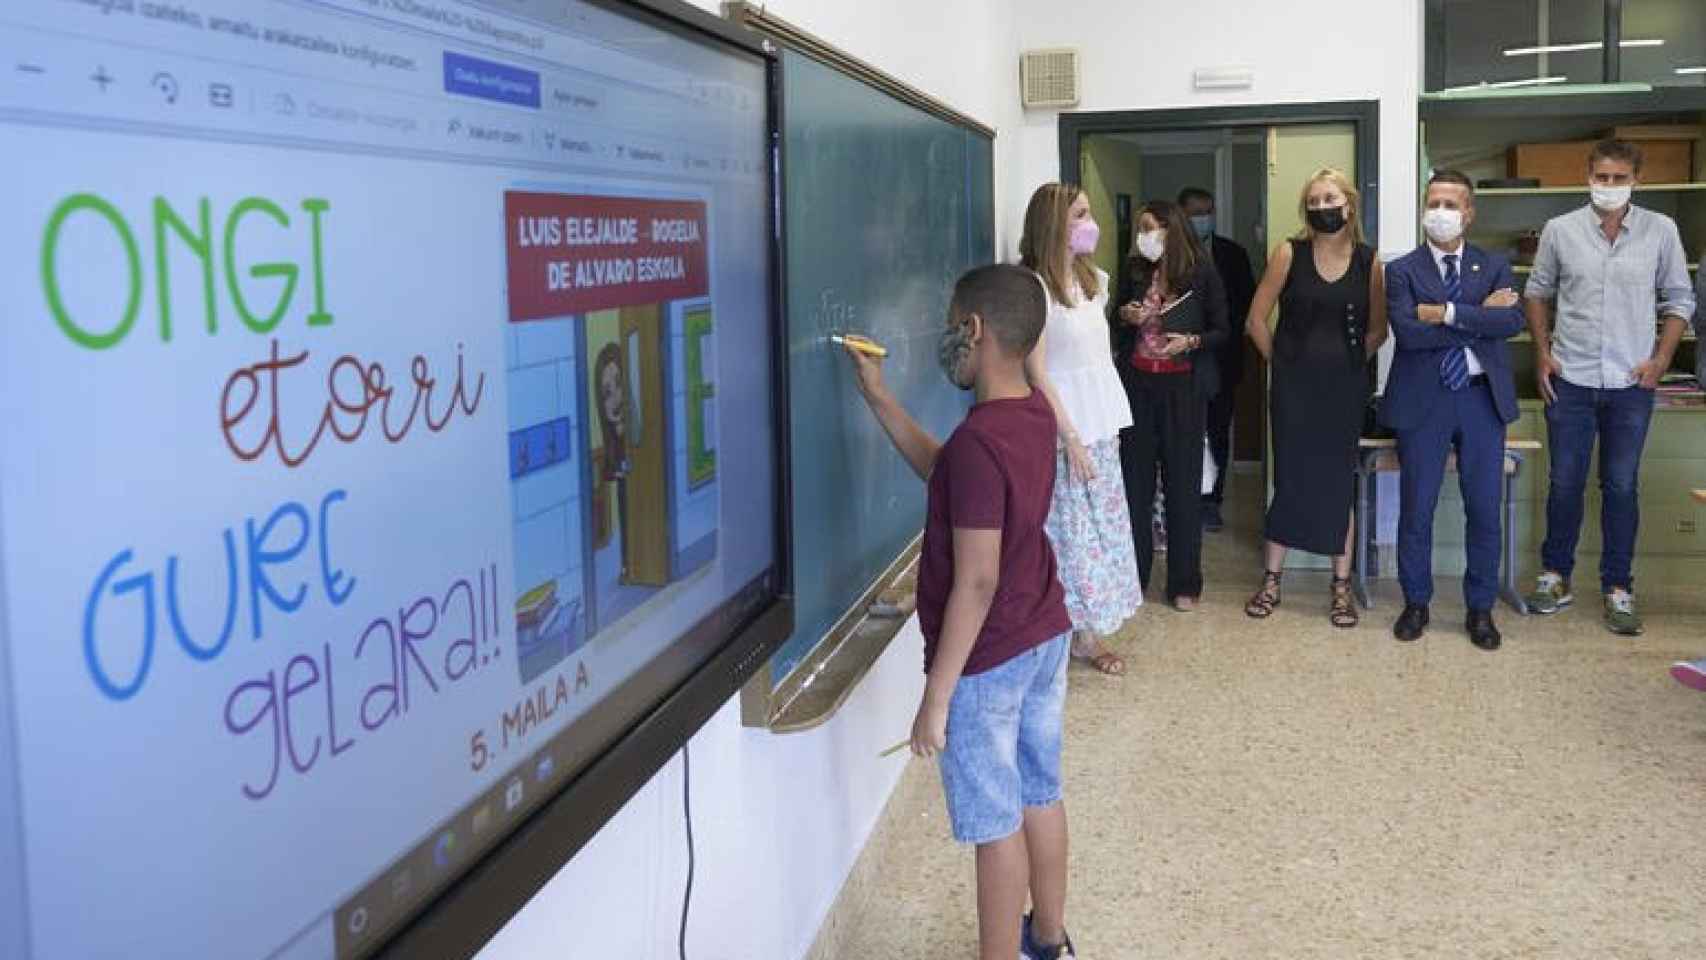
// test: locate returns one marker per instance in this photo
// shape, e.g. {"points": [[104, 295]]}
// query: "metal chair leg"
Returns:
{"points": [[1359, 577], [1512, 594]]}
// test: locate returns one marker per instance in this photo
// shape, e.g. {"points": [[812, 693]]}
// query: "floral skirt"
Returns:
{"points": [[1089, 526]]}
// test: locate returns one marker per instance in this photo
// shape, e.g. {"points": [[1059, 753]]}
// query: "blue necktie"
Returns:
{"points": [[1454, 366]]}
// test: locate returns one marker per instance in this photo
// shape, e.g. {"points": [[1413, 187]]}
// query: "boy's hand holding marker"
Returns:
{"points": [[867, 356], [860, 343]]}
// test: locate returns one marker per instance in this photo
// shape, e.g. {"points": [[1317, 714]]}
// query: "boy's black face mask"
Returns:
{"points": [[952, 352]]}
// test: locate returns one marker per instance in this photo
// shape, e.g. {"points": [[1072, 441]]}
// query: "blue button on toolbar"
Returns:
{"points": [[473, 77]]}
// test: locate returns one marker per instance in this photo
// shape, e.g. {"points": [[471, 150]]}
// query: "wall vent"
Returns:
{"points": [[1049, 78]]}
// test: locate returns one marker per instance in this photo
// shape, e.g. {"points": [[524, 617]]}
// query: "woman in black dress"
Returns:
{"points": [[1332, 296]]}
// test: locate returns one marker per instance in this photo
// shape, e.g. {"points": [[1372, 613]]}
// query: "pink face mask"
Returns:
{"points": [[1082, 238]]}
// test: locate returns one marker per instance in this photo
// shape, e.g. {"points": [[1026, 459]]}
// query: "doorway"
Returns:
{"points": [[1254, 160], [1123, 171]]}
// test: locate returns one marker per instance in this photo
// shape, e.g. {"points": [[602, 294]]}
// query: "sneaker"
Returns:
{"points": [[1551, 594], [1029, 949], [1212, 521], [1690, 673], [1620, 616]]}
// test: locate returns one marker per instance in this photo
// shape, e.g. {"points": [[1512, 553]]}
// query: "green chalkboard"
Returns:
{"points": [[885, 207]]}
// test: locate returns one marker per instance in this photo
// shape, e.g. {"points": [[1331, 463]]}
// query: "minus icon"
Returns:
{"points": [[30, 68]]}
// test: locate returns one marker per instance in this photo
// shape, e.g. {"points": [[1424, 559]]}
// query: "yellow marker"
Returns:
{"points": [[895, 749], [864, 345]]}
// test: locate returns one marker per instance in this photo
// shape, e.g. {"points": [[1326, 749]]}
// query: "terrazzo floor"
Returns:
{"points": [[1288, 790]]}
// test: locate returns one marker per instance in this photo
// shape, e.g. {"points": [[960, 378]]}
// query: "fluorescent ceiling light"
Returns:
{"points": [[1555, 48], [1691, 69], [1507, 84], [1577, 47]]}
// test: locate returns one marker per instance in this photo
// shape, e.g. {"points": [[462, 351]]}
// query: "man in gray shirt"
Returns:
{"points": [[1615, 272]]}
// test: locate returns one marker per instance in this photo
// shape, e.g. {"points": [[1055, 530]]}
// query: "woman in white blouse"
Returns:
{"points": [[1088, 522]]}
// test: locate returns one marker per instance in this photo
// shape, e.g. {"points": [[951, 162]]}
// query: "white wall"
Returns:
{"points": [[778, 821], [1140, 56]]}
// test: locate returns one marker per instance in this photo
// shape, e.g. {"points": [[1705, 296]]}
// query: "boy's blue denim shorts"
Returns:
{"points": [[1003, 753]]}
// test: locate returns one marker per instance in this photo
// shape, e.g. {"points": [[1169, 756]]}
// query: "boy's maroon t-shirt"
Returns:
{"points": [[996, 472]]}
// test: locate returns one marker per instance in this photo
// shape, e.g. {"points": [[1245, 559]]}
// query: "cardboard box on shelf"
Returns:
{"points": [[1566, 164], [1660, 131]]}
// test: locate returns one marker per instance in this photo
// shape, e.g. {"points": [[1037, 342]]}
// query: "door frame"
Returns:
{"points": [[655, 317], [1363, 115]]}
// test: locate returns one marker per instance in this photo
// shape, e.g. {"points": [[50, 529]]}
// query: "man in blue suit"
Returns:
{"points": [[1452, 306]]}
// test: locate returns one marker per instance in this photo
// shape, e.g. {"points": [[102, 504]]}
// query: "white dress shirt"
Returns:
{"points": [[1451, 308]]}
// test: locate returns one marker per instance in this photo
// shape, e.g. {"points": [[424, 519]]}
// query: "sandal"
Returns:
{"points": [[1261, 606], [1343, 612], [1104, 661]]}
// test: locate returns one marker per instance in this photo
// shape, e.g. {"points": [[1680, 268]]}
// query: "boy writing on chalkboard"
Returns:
{"points": [[993, 613]]}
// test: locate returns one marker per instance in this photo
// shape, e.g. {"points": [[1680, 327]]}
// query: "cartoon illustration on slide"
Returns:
{"points": [[610, 462], [612, 412], [630, 501], [544, 468]]}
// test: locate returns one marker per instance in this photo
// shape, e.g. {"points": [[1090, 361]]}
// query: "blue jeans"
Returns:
{"points": [[1619, 419], [1003, 752]]}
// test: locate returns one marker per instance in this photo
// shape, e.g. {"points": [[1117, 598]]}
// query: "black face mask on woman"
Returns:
{"points": [[1327, 219]]}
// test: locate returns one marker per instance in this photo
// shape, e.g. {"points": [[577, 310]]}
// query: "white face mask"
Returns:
{"points": [[1151, 244], [1442, 225], [1610, 199]]}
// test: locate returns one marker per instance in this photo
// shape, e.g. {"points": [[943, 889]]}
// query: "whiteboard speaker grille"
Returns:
{"points": [[1049, 78]]}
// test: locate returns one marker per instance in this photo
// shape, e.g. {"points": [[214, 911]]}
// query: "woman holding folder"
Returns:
{"points": [[1172, 321]]}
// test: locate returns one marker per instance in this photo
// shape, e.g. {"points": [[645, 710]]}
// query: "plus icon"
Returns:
{"points": [[101, 78]]}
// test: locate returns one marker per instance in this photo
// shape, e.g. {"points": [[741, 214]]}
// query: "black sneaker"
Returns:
{"points": [[1029, 949], [1211, 518]]}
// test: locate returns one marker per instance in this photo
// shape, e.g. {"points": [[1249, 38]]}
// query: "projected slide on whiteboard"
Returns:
{"points": [[390, 425]]}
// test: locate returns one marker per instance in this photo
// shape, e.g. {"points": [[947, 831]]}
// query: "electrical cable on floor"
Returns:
{"points": [[687, 815]]}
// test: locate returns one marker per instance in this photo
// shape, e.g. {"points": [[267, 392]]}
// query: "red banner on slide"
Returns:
{"points": [[574, 254]]}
